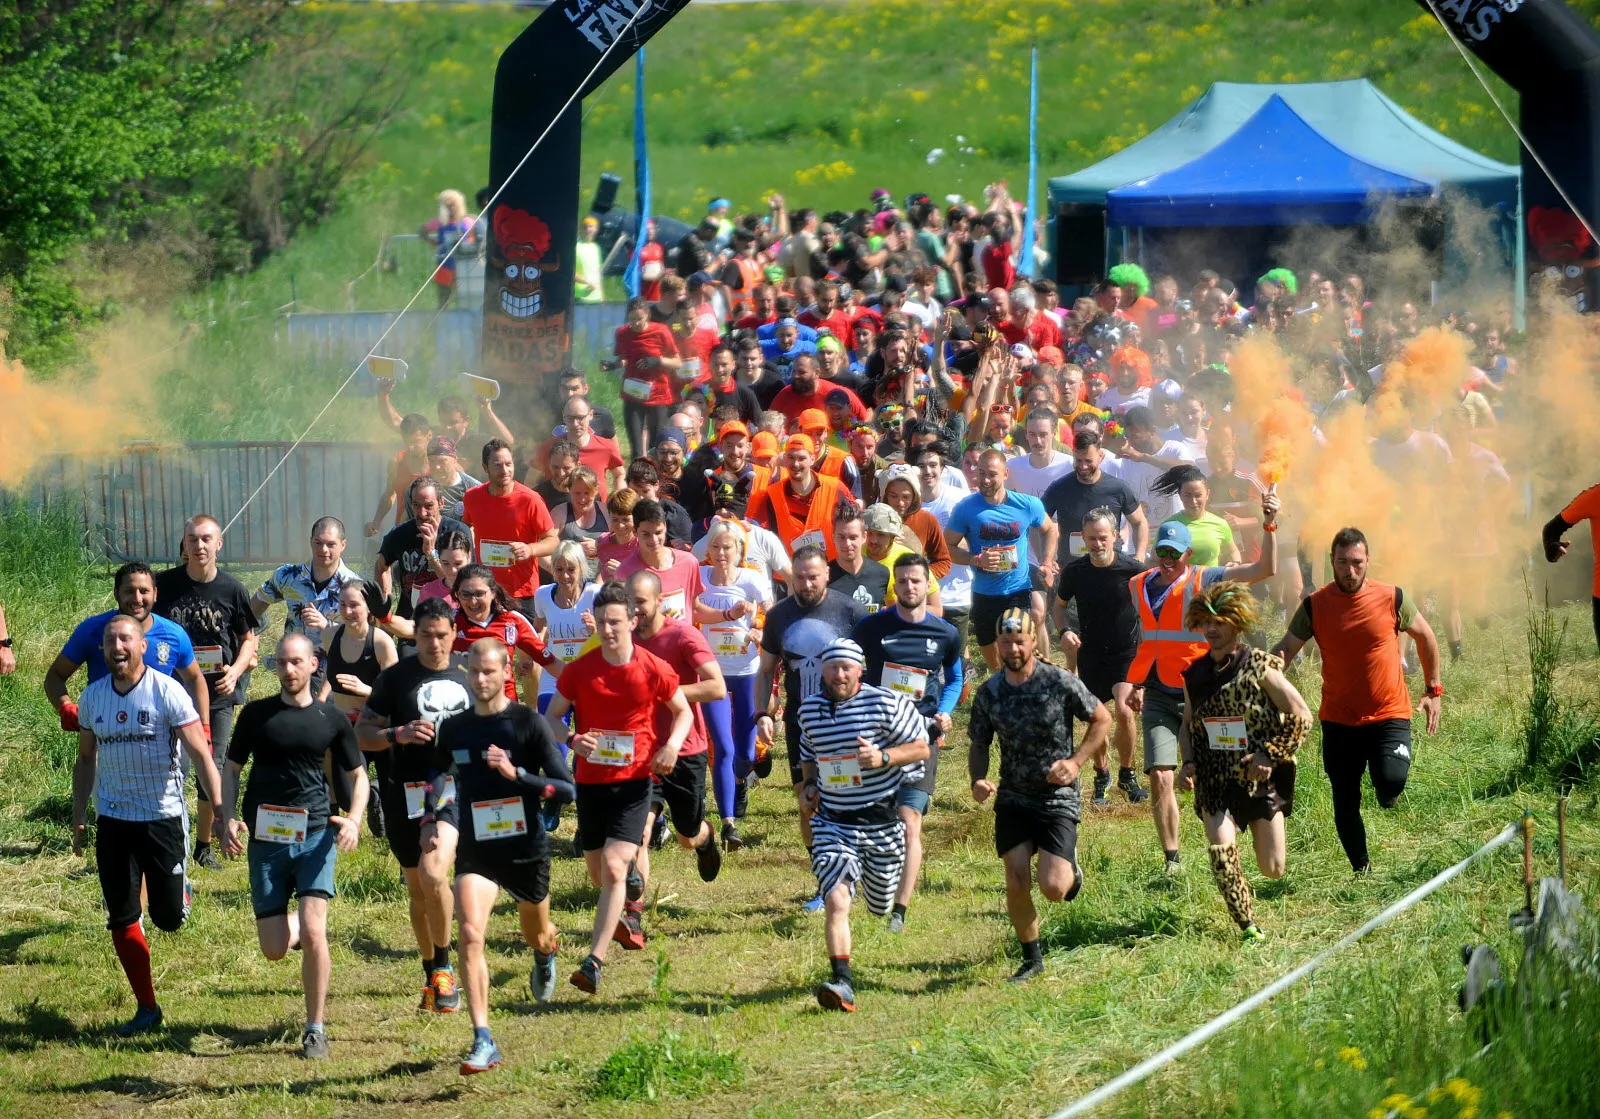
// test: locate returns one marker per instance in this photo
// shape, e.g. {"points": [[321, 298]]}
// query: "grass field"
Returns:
{"points": [[821, 101], [718, 1009]]}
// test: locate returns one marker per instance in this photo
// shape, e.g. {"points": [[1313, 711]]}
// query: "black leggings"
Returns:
{"points": [[644, 422], [1384, 750], [1595, 605]]}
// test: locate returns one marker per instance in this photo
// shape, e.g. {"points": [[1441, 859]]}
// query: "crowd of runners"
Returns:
{"points": [[876, 485]]}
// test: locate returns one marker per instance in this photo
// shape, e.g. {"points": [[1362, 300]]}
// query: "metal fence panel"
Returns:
{"points": [[134, 504]]}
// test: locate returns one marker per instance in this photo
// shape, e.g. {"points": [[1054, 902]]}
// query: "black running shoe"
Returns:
{"points": [[1102, 782], [709, 857], [205, 857], [658, 834], [741, 800], [731, 839], [1028, 970], [1129, 784]]}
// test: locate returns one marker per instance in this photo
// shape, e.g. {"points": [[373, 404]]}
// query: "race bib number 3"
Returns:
{"points": [[499, 819], [839, 771], [905, 679], [1226, 734], [275, 824], [496, 553], [613, 748]]}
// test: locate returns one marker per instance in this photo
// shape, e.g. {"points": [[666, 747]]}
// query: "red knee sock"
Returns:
{"points": [[134, 952]]}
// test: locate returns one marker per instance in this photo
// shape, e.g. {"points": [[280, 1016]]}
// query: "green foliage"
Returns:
{"points": [[1561, 736], [107, 104], [666, 1065]]}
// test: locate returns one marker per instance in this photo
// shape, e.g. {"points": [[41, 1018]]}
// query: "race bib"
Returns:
{"points": [[726, 641], [1075, 544], [839, 771], [210, 658], [1008, 557], [636, 390], [417, 792], [1226, 734], [672, 605], [496, 553], [275, 824], [566, 651], [650, 270], [499, 819], [905, 679], [808, 540], [613, 748]]}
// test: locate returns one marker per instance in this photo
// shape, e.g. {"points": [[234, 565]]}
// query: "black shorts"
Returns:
{"points": [[1274, 796], [526, 880], [153, 852], [614, 810], [221, 735], [791, 742], [683, 793], [1102, 674], [1049, 827], [404, 835], [987, 608]]}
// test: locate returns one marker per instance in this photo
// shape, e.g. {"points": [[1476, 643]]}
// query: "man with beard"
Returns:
{"points": [[408, 702], [1366, 706], [859, 745], [134, 722], [1030, 705], [798, 629], [411, 547], [214, 610]]}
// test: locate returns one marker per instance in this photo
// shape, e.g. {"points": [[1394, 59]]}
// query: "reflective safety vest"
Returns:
{"points": [[818, 520], [1163, 642], [742, 300], [830, 463]]}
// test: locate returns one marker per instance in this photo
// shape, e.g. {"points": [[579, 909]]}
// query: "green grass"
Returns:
{"points": [[718, 1009], [821, 101]]}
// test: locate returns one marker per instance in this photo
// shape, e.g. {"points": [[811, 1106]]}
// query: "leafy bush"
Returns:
{"points": [[668, 1065]]}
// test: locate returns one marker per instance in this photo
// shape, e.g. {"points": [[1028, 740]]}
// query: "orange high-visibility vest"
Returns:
{"points": [[1163, 641], [824, 499], [830, 464], [741, 301]]}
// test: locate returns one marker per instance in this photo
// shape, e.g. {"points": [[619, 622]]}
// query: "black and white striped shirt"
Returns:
{"points": [[139, 764], [828, 733]]}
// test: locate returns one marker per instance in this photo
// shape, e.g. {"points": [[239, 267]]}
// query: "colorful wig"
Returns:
{"points": [[1124, 274], [1134, 358], [1284, 277], [1229, 601]]}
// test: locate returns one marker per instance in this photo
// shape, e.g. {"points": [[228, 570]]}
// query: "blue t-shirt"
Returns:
{"points": [[168, 646], [1004, 525]]}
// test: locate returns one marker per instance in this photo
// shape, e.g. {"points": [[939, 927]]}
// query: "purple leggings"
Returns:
{"points": [[732, 725]]}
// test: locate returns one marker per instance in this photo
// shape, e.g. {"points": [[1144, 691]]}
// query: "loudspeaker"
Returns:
{"points": [[1080, 243], [605, 194]]}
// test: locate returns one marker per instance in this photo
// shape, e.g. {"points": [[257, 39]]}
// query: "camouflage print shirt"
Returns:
{"points": [[1034, 724]]}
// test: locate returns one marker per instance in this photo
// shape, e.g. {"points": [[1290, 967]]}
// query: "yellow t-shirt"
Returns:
{"points": [[896, 550]]}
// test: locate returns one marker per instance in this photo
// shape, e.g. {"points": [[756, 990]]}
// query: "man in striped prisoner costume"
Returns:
{"points": [[858, 743]]}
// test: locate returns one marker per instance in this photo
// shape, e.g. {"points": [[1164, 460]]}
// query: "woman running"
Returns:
{"points": [[729, 612], [357, 652], [487, 611], [580, 517], [455, 552], [1242, 723], [619, 543], [1212, 537], [563, 613]]}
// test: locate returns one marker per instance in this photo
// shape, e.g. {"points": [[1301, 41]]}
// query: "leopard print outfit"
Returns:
{"points": [[1221, 776]]}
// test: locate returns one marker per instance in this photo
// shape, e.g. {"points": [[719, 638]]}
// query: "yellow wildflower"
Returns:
{"points": [[1351, 1056]]}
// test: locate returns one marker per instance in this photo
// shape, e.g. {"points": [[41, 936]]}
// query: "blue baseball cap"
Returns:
{"points": [[1174, 535]]}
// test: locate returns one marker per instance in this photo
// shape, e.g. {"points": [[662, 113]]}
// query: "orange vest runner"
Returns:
{"points": [[741, 300], [831, 463], [1163, 641], [817, 528], [1363, 680]]}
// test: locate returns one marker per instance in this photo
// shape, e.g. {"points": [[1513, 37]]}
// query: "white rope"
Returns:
{"points": [[1222, 1021], [487, 206], [1521, 139]]}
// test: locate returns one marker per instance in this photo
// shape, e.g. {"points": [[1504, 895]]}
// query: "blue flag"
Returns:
{"points": [[1025, 258], [641, 177]]}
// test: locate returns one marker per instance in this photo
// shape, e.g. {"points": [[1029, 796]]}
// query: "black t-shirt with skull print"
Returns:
{"points": [[410, 690], [798, 635]]}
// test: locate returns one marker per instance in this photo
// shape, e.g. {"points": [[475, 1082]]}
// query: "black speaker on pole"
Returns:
{"points": [[1080, 255], [605, 193]]}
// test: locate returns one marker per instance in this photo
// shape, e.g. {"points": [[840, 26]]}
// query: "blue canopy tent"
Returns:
{"points": [[1205, 171], [1275, 170]]}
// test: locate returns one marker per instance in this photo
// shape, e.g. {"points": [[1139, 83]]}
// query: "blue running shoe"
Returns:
{"points": [[814, 905], [485, 1055], [146, 1019]]}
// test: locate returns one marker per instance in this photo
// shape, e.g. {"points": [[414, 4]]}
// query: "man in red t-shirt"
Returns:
{"points": [[678, 572], [827, 314], [806, 391], [649, 356], [613, 693], [999, 269], [652, 265], [683, 791], [511, 527], [595, 451], [764, 308]]}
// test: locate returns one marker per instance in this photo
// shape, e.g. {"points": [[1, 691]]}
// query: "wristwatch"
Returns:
{"points": [[5, 643], [522, 774]]}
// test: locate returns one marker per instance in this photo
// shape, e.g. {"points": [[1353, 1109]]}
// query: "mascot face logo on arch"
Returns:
{"points": [[522, 244]]}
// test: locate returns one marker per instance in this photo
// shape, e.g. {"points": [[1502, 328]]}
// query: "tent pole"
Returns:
{"points": [[1519, 264]]}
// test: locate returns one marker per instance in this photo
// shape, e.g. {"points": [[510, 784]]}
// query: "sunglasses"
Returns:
{"points": [[1170, 553]]}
